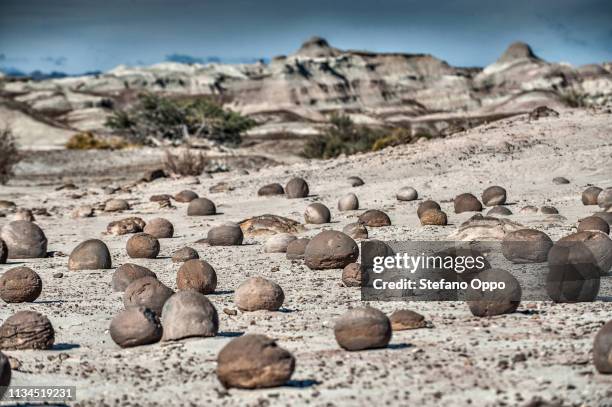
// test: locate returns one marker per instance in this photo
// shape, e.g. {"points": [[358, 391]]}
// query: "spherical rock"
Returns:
{"points": [[296, 249], [598, 244], [526, 246], [26, 330], [197, 275], [20, 284], [529, 209], [407, 194], [278, 243], [495, 302], [499, 210], [5, 373], [374, 218], [184, 254], [560, 181], [125, 226], [589, 196], [159, 228], [189, 314], [356, 231], [148, 292], [607, 216], [549, 210], [258, 293], [427, 205], [116, 205], [434, 217], [330, 250], [125, 274], [135, 326], [24, 214], [493, 196], [271, 189], [3, 252], [91, 254], [604, 199], [602, 349], [355, 181], [142, 246], [363, 328], [201, 207], [317, 213], [254, 361], [296, 188], [25, 240], [185, 196], [404, 319], [349, 202], [352, 275], [467, 203], [227, 234], [594, 223]]}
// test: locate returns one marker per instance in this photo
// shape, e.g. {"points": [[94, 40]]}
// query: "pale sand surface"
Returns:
{"points": [[462, 360]]}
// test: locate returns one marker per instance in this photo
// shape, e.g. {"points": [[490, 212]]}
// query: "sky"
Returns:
{"points": [[76, 36]]}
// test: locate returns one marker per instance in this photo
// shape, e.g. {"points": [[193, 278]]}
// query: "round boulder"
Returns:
{"points": [[184, 254], [363, 328], [135, 326], [201, 207], [489, 303], [560, 181], [597, 243], [128, 272], [404, 319], [196, 275], [407, 194], [330, 250], [258, 293], [604, 199], [189, 314], [589, 195], [549, 210], [296, 249], [185, 196], [159, 228], [355, 181], [116, 205], [228, 234], [352, 275], [26, 330], [20, 284], [271, 189], [317, 213], [148, 292], [278, 243], [296, 188], [433, 217], [427, 205], [25, 240], [254, 361], [374, 218], [499, 210], [526, 246], [467, 203], [142, 246], [602, 349], [91, 254], [594, 223], [493, 196], [356, 230], [349, 202]]}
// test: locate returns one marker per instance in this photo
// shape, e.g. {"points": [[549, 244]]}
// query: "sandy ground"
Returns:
{"points": [[541, 352]]}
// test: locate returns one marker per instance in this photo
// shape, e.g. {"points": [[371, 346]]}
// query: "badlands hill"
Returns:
{"points": [[293, 95]]}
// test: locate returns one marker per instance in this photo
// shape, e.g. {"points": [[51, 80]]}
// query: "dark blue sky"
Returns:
{"points": [[83, 35]]}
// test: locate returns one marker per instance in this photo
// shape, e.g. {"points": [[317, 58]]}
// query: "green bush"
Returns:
{"points": [[9, 155], [154, 119]]}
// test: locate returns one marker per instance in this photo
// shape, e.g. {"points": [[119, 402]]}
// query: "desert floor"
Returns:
{"points": [[541, 352]]}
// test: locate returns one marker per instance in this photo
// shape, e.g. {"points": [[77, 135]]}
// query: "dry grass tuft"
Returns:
{"points": [[9, 155], [185, 164]]}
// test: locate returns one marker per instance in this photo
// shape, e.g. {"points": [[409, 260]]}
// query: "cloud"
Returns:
{"points": [[57, 61]]}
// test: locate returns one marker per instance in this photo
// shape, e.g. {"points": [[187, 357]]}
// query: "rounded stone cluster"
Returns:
{"points": [[91, 254], [148, 292], [589, 195], [330, 250], [142, 246], [197, 275], [254, 361], [526, 246], [20, 284], [135, 326], [125, 274], [189, 314], [363, 328], [426, 206], [258, 293]]}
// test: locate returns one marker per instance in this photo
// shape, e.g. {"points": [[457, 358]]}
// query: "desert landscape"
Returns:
{"points": [[192, 232]]}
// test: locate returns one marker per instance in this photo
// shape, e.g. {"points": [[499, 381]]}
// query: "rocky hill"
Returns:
{"points": [[293, 95]]}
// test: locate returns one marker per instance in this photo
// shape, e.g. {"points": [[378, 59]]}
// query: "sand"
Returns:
{"points": [[540, 352]]}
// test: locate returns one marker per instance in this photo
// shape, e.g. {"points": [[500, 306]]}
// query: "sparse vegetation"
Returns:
{"points": [[89, 141], [573, 98], [9, 155], [159, 120], [185, 164], [395, 138]]}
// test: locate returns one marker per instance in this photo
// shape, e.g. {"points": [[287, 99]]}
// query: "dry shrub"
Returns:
{"points": [[9, 155], [185, 163], [89, 141]]}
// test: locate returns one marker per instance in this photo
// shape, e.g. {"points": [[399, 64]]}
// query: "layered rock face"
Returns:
{"points": [[377, 88]]}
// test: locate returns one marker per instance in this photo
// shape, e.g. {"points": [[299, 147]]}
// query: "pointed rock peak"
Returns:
{"points": [[317, 47], [517, 50]]}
